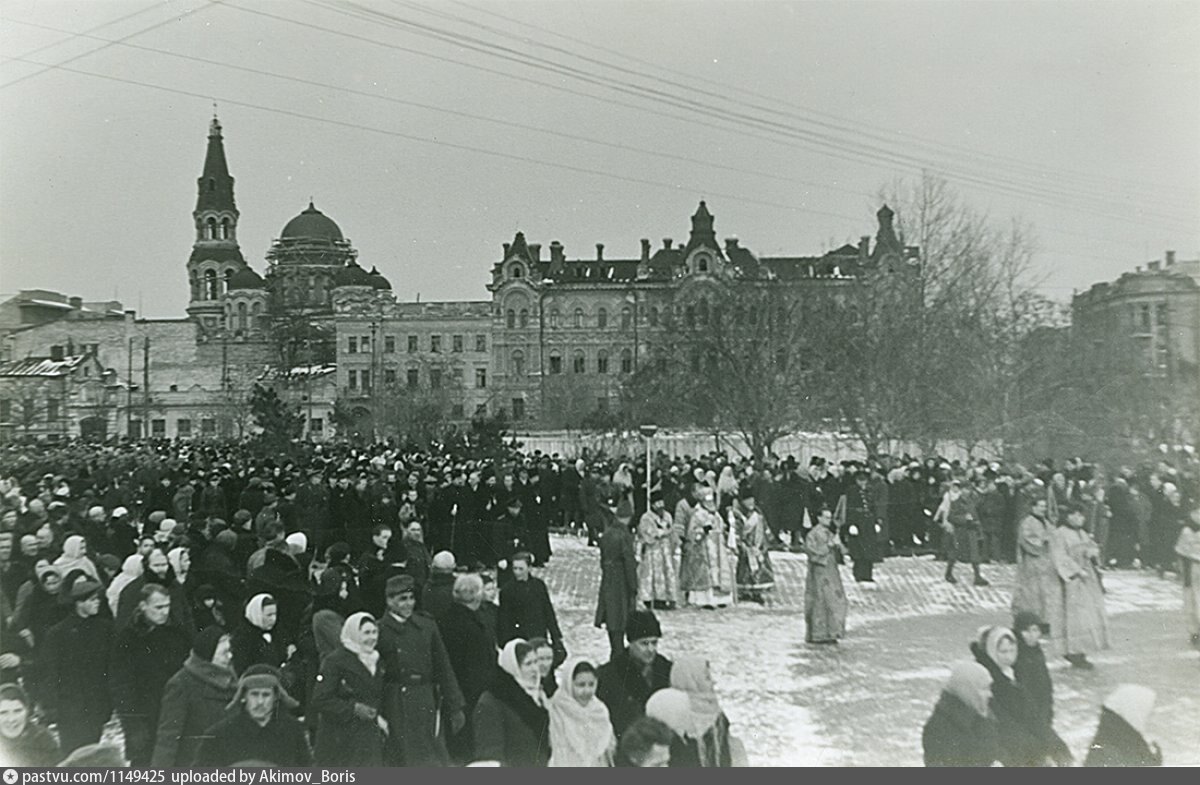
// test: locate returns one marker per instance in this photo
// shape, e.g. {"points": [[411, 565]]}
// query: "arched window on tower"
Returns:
{"points": [[524, 317], [510, 318], [256, 317], [554, 317], [319, 290], [312, 289], [226, 229], [194, 283], [211, 286], [210, 229], [225, 283], [241, 317]]}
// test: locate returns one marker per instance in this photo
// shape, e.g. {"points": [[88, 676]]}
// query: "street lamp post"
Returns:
{"points": [[648, 432]]}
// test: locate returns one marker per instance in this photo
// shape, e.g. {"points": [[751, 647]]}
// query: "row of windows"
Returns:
{"points": [[27, 411], [208, 427], [361, 379], [1142, 320], [217, 231], [362, 343], [514, 318], [579, 363]]}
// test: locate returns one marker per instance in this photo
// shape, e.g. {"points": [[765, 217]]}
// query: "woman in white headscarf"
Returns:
{"points": [[581, 732], [254, 642], [351, 729], [1121, 737], [511, 724], [962, 731], [74, 557], [673, 708], [131, 570], [709, 725]]}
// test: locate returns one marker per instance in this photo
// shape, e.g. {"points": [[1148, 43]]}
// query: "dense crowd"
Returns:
{"points": [[378, 606]]}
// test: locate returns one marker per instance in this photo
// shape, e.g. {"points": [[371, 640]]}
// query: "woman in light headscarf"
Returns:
{"points": [[511, 724], [581, 732], [74, 557], [131, 570], [1021, 742], [254, 641], [961, 731], [181, 562], [709, 725], [351, 729], [673, 708], [1121, 737], [727, 488], [622, 485]]}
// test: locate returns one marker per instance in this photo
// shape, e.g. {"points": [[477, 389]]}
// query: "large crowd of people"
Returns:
{"points": [[359, 606]]}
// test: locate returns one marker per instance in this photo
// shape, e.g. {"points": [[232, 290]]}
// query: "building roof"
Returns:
{"points": [[378, 281], [41, 366], [246, 278], [352, 275], [312, 224], [215, 185]]}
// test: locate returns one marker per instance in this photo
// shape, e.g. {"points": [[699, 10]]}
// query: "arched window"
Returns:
{"points": [[555, 362], [578, 317], [518, 271], [210, 229], [518, 363], [654, 317], [225, 281], [312, 288], [524, 317], [578, 362], [194, 283], [626, 318], [256, 316], [602, 318], [554, 317], [702, 264], [626, 361], [226, 229], [602, 361], [210, 285], [510, 318], [241, 317], [319, 290]]}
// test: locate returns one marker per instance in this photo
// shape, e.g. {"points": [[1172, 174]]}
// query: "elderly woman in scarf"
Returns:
{"points": [[1121, 737], [74, 557], [962, 731], [254, 641], [709, 725], [511, 724], [351, 730], [673, 708], [131, 570], [581, 732]]}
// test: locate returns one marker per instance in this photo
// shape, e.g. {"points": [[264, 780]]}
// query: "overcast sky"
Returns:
{"points": [[433, 132]]}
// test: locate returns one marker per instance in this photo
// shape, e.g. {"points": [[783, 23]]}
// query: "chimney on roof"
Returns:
{"points": [[731, 243], [1152, 266], [535, 250], [667, 242], [556, 251], [56, 352], [599, 252], [864, 246], [645, 249], [76, 303], [1170, 258]]}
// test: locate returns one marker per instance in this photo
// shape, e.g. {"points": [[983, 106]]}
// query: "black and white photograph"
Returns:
{"points": [[552, 383]]}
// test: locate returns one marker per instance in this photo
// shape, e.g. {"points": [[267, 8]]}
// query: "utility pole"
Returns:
{"points": [[146, 384], [129, 390]]}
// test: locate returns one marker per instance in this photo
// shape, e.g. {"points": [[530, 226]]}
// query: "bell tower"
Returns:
{"points": [[216, 256]]}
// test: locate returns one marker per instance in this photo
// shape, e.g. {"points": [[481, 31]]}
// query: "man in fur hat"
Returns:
{"points": [[628, 680], [258, 726]]}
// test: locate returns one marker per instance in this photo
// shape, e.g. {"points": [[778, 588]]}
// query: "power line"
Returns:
{"points": [[71, 35], [848, 125], [134, 34], [839, 147]]}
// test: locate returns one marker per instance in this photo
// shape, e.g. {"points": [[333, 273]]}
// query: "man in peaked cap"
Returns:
{"points": [[420, 684]]}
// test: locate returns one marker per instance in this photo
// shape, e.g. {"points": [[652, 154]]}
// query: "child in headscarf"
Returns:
{"points": [[581, 732], [709, 725], [1121, 737], [961, 731]]}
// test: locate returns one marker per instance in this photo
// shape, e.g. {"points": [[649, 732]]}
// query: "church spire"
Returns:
{"points": [[215, 186]]}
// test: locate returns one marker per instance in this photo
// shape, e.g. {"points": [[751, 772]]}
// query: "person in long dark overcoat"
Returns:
{"points": [[254, 641], [961, 731], [194, 699], [419, 682], [146, 654], [512, 725], [1033, 677], [472, 652], [351, 729], [525, 608], [861, 529], [78, 653], [628, 680], [257, 726], [1020, 737], [618, 577]]}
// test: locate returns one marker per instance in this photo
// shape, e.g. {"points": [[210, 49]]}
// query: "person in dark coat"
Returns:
{"points": [[217, 567], [961, 731], [257, 726], [618, 577], [438, 594], [23, 742], [472, 653], [157, 570], [194, 699], [77, 658], [1020, 737], [634, 674], [1121, 737], [415, 555], [351, 729], [863, 523], [1033, 677], [282, 578], [419, 682], [312, 510], [254, 641], [526, 611], [146, 654], [512, 725]]}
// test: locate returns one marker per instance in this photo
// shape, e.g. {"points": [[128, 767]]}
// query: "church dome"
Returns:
{"points": [[377, 280], [352, 275], [246, 278], [312, 224]]}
